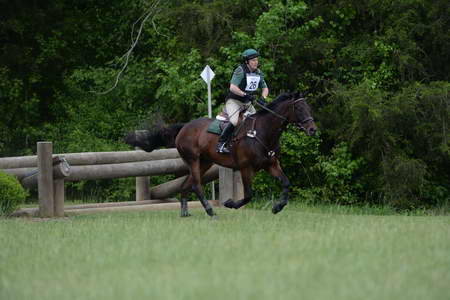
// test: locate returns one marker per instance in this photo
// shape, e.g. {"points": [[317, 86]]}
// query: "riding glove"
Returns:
{"points": [[261, 101], [249, 97]]}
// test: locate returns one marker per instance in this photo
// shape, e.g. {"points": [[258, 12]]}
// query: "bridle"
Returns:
{"points": [[300, 125]]}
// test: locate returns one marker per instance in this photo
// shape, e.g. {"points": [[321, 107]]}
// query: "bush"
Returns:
{"points": [[402, 136], [339, 184], [12, 194]]}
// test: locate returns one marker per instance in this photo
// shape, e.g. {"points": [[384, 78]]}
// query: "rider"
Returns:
{"points": [[247, 78]]}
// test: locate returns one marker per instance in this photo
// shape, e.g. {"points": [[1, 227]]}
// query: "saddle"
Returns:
{"points": [[222, 119]]}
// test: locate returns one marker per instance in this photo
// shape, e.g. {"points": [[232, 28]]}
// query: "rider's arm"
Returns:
{"points": [[263, 86], [265, 92], [238, 76], [236, 90]]}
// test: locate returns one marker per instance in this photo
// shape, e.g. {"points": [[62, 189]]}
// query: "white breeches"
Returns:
{"points": [[233, 107]]}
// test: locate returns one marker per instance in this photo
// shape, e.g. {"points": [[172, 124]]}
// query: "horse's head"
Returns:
{"points": [[291, 108], [301, 115]]}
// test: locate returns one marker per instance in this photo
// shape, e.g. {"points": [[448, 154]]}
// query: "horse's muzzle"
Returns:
{"points": [[311, 131]]}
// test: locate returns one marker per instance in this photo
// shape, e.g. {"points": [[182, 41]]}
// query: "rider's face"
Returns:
{"points": [[253, 63]]}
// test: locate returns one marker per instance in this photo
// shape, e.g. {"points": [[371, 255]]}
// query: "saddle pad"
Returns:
{"points": [[214, 127]]}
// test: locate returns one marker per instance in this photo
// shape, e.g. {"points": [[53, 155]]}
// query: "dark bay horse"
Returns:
{"points": [[249, 154]]}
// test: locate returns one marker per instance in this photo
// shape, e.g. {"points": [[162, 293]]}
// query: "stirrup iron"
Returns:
{"points": [[251, 133]]}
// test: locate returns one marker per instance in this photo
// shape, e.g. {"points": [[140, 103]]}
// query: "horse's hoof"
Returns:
{"points": [[185, 214], [229, 203], [277, 208], [210, 212], [215, 218]]}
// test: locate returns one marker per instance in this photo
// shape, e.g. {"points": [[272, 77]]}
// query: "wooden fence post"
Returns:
{"points": [[142, 182], [58, 197], [45, 179], [61, 169], [225, 184], [143, 188], [238, 187], [230, 185]]}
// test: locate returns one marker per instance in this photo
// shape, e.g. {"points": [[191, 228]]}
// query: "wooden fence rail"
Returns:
{"points": [[49, 172], [92, 158]]}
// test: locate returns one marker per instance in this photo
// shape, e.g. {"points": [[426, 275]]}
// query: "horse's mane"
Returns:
{"points": [[278, 100]]}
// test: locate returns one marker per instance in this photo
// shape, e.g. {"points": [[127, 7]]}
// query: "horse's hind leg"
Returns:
{"points": [[276, 171], [185, 189], [197, 170]]}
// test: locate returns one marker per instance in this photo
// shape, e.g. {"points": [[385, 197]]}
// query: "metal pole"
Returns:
{"points": [[209, 97], [213, 192]]}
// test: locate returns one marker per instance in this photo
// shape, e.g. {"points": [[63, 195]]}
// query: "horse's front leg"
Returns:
{"points": [[247, 176], [276, 171]]}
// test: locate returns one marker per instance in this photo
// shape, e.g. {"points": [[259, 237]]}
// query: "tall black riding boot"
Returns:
{"points": [[223, 139]]}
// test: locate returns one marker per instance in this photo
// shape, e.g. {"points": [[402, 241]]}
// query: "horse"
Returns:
{"points": [[255, 146]]}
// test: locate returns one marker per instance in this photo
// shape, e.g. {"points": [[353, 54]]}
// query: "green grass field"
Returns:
{"points": [[302, 253]]}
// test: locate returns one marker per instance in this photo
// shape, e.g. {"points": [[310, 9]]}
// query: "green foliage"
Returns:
{"points": [[283, 27], [94, 121], [39, 52], [404, 181], [110, 190], [181, 90], [398, 135], [12, 194], [338, 172], [419, 118], [10, 93]]}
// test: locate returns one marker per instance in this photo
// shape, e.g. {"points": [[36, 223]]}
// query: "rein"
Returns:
{"points": [[272, 112], [309, 119]]}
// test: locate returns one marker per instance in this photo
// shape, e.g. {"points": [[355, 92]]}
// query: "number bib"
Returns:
{"points": [[252, 82]]}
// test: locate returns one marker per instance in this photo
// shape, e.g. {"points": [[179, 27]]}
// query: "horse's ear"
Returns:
{"points": [[301, 94]]}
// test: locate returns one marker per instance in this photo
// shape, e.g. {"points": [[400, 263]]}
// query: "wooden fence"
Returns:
{"points": [[49, 171]]}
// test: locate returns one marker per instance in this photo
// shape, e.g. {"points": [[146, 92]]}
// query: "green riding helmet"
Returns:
{"points": [[249, 54]]}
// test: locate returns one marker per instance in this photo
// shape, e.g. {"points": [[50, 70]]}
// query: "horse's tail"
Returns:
{"points": [[149, 140]]}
